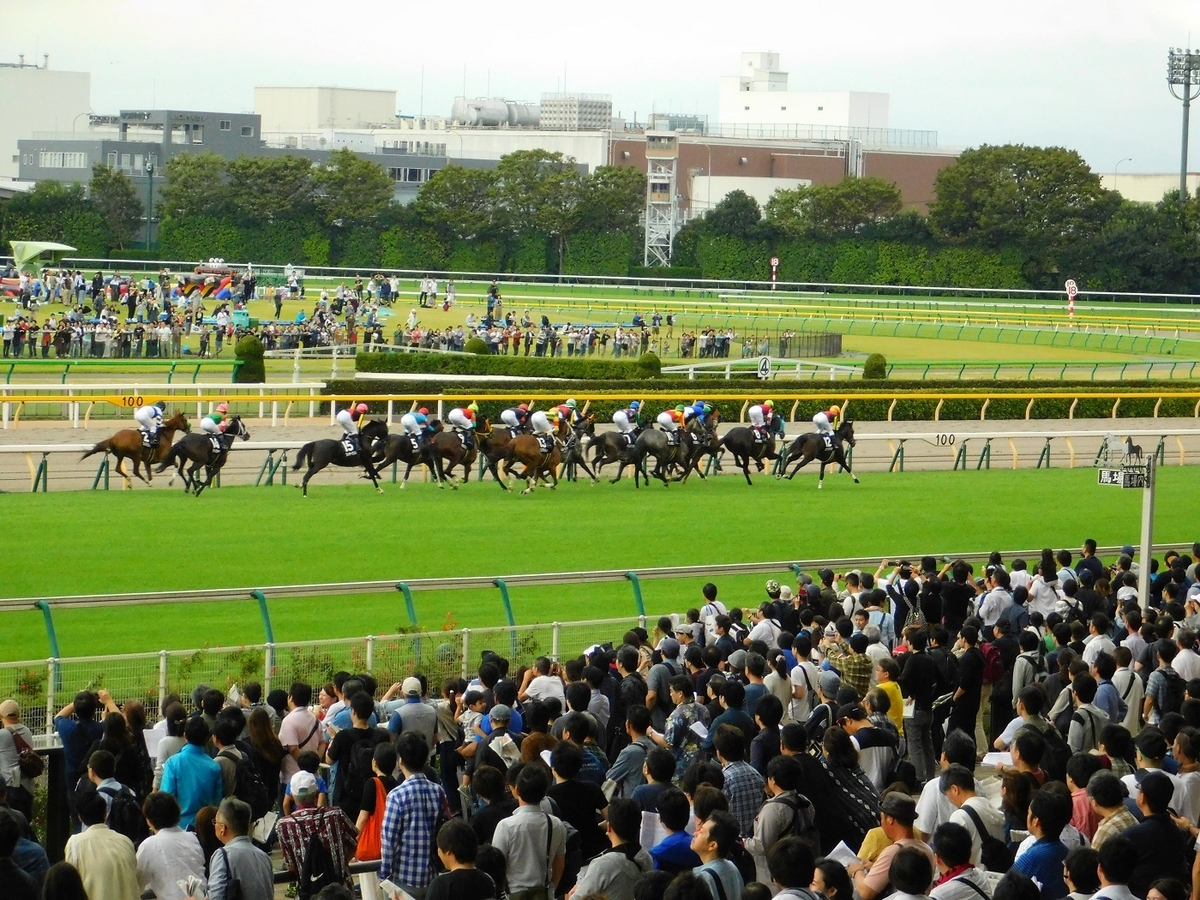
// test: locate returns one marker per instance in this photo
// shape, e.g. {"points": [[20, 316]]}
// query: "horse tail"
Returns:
{"points": [[303, 455], [170, 459], [105, 446]]}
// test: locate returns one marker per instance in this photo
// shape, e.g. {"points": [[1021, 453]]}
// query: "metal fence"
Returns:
{"points": [[42, 687]]}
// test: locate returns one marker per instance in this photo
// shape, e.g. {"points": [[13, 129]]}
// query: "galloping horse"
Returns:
{"points": [[197, 449], [607, 447], [327, 451], [495, 446], [526, 449], [743, 444], [652, 442], [399, 448], [705, 440], [808, 447], [127, 444], [449, 446], [575, 453]]}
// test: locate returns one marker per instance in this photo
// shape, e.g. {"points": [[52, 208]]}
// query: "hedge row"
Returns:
{"points": [[914, 410], [645, 366]]}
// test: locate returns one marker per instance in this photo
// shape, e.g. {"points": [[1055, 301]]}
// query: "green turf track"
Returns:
{"points": [[157, 540]]}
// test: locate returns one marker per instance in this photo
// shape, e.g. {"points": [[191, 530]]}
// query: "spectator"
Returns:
{"points": [[78, 729], [415, 716], [192, 776], [410, 816], [300, 730], [228, 755], [674, 852], [732, 699], [268, 753], [106, 860], [968, 690], [614, 873], [660, 772], [765, 745], [973, 813], [1107, 796], [681, 736], [791, 866], [898, 812], [309, 762], [1080, 768], [458, 850], [489, 785], [175, 719], [659, 699], [1049, 814], [63, 882], [784, 812], [628, 770], [353, 750], [370, 814], [532, 841], [15, 736], [743, 785], [170, 854], [959, 878], [1087, 721], [852, 792], [329, 824], [877, 747], [238, 860], [502, 747], [18, 885], [1116, 864], [830, 879], [1158, 841], [714, 842], [1080, 873], [912, 873]]}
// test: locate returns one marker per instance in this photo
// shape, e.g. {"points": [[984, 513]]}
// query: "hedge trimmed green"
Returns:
{"points": [[645, 366]]}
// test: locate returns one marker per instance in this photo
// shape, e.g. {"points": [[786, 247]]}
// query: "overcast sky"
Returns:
{"points": [[1085, 74]]}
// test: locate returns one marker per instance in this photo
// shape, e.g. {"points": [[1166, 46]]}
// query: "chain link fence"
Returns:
{"points": [[44, 686]]}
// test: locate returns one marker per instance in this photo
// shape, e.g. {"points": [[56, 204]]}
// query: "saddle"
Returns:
{"points": [[414, 441], [350, 445], [514, 433], [827, 442], [466, 440], [215, 441], [149, 442], [546, 443], [630, 437]]}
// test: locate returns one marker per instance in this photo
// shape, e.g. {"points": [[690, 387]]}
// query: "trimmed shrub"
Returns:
{"points": [[650, 365], [477, 346], [875, 368], [491, 364], [250, 351]]}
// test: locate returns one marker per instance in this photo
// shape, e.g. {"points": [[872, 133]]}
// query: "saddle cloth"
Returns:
{"points": [[760, 435], [349, 446], [145, 438], [546, 442], [215, 441], [672, 438], [414, 442], [465, 439]]}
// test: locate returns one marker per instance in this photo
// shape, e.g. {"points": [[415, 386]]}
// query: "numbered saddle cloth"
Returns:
{"points": [[828, 442], [672, 438], [760, 435], [630, 437], [147, 439], [466, 439], [415, 442], [546, 442], [350, 446], [215, 441]]}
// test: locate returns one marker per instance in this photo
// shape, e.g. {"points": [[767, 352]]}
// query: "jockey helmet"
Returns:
{"points": [[769, 404], [836, 410], [680, 408], [423, 411], [633, 404], [222, 407], [524, 407], [361, 408], [473, 407], [161, 404], [571, 404], [708, 407]]}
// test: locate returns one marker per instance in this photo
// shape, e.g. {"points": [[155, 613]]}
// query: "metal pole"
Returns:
{"points": [[402, 587], [266, 615], [1147, 533], [1183, 160], [51, 634]]}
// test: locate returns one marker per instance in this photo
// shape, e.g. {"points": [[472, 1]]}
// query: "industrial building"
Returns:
{"points": [[39, 100]]}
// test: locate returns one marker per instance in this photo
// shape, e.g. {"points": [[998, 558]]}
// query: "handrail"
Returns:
{"points": [[388, 586]]}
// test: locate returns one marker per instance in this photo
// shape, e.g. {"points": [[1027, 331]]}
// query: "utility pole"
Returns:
{"points": [[1183, 71], [149, 204]]}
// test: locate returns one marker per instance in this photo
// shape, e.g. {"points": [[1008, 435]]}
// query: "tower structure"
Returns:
{"points": [[662, 206]]}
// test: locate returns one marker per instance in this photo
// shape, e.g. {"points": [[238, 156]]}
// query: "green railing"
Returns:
{"points": [[1162, 370], [63, 368]]}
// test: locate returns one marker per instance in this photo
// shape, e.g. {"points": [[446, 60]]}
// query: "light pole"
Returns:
{"points": [[1183, 71], [1117, 167], [149, 203]]}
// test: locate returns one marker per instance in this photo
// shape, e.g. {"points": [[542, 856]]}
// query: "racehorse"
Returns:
{"points": [[575, 453], [197, 449], [449, 446], [808, 447], [495, 446], [705, 442], [743, 444], [652, 442], [128, 444], [526, 449], [607, 447], [328, 451], [399, 448]]}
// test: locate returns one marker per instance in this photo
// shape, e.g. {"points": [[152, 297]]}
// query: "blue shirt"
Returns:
{"points": [[409, 818], [194, 778], [1044, 863], [77, 737], [342, 719], [516, 725], [674, 853]]}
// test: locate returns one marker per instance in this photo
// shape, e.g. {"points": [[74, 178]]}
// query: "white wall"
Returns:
{"points": [[1147, 188], [39, 101], [589, 147], [832, 108], [706, 192], [308, 109]]}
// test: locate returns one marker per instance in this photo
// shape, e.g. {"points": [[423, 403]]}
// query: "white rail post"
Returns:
{"points": [[51, 673], [333, 373], [1147, 531], [370, 652], [268, 666], [163, 659], [466, 649], [554, 642], [296, 367]]}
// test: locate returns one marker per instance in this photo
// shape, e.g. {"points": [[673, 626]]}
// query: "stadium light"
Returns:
{"points": [[1183, 71]]}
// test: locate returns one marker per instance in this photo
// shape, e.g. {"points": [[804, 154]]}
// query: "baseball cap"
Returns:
{"points": [[9, 709], [1158, 789], [1194, 592], [830, 682], [304, 784], [737, 659], [412, 687], [1151, 743], [859, 642], [903, 807], [772, 587], [851, 711], [826, 574], [501, 713], [669, 648], [804, 578]]}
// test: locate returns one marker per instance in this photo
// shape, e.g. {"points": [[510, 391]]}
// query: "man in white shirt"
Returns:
{"points": [[170, 854], [543, 682], [1187, 661], [970, 810], [105, 859], [959, 878], [1118, 859], [1098, 641], [765, 629], [300, 730], [996, 600], [804, 679]]}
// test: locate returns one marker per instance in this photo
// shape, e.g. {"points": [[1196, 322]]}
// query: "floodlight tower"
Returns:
{"points": [[662, 209], [1183, 71]]}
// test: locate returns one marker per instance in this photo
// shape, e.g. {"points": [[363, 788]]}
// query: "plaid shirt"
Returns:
{"points": [[409, 819], [855, 667], [744, 788], [334, 828]]}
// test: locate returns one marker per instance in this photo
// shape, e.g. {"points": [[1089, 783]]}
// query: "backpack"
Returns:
{"points": [[125, 814], [995, 855], [317, 870], [804, 822], [993, 665], [1054, 759], [248, 786], [357, 770], [1176, 691]]}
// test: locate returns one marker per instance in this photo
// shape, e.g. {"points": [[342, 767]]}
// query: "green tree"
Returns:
{"points": [[56, 212], [114, 197], [458, 202], [834, 209], [351, 189], [613, 199], [1035, 198], [736, 216], [270, 189], [196, 186], [536, 190]]}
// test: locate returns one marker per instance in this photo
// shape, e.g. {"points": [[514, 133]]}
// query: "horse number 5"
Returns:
{"points": [[945, 440], [132, 401]]}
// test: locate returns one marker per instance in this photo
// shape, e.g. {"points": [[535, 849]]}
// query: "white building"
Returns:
{"points": [[759, 95], [38, 101], [312, 109], [576, 112], [1147, 188]]}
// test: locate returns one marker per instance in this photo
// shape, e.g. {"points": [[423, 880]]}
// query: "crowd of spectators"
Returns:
{"points": [[826, 743]]}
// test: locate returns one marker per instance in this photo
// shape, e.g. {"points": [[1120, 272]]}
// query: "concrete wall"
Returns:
{"points": [[36, 100], [1148, 188], [301, 109], [854, 109], [707, 192]]}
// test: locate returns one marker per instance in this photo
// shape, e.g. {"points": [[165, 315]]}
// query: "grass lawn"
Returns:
{"points": [[83, 542]]}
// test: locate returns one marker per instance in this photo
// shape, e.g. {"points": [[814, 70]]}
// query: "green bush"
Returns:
{"points": [[492, 364], [477, 346], [250, 351], [875, 368], [604, 253], [650, 365]]}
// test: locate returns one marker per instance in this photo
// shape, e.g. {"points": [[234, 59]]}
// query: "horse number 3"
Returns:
{"points": [[945, 440], [132, 400]]}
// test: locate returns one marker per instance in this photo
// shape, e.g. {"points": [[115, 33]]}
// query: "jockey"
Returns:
{"points": [[516, 419], [827, 420], [540, 422], [629, 421], [775, 423], [349, 418], [758, 416], [463, 421], [214, 423], [669, 420], [569, 412], [150, 418], [698, 410]]}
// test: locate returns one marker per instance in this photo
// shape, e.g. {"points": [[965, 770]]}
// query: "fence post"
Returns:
{"points": [[163, 659], [370, 652], [268, 666], [466, 649], [266, 615], [508, 611], [51, 634], [51, 679], [408, 601], [637, 593], [554, 642]]}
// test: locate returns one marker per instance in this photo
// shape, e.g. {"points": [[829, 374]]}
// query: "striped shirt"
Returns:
{"points": [[335, 830], [409, 819]]}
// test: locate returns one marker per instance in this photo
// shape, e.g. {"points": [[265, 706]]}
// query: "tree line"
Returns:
{"points": [[1004, 216]]}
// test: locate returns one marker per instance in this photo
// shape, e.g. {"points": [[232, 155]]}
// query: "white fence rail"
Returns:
{"points": [[797, 368]]}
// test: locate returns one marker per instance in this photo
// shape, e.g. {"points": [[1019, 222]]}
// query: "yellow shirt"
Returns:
{"points": [[106, 862], [896, 710], [874, 842]]}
